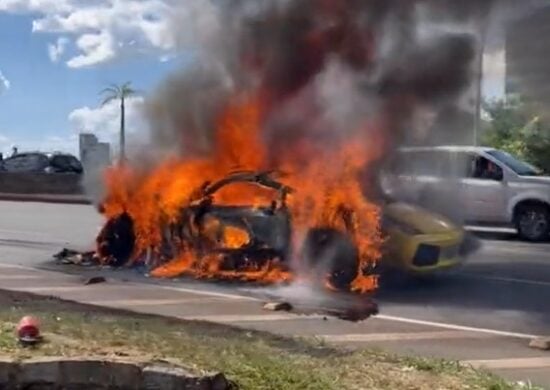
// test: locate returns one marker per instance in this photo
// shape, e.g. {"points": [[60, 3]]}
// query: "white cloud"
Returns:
{"points": [[4, 140], [56, 50], [102, 30], [97, 48], [105, 121], [4, 83]]}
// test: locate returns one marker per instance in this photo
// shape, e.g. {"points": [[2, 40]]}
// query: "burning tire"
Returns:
{"points": [[330, 252], [117, 240]]}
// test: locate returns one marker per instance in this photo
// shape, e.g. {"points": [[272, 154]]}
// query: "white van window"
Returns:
{"points": [[520, 167], [419, 163]]}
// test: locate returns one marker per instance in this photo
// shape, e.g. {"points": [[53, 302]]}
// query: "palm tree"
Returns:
{"points": [[119, 92]]}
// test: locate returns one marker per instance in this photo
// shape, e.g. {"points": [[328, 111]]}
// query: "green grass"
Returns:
{"points": [[252, 359]]}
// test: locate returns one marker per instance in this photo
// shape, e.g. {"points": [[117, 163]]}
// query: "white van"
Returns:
{"points": [[474, 184]]}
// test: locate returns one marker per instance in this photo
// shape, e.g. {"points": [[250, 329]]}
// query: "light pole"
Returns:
{"points": [[479, 81]]}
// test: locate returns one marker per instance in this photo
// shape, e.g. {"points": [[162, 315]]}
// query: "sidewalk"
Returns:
{"points": [[504, 354]]}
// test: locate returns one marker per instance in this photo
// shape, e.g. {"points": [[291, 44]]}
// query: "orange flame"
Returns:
{"points": [[328, 194], [235, 238]]}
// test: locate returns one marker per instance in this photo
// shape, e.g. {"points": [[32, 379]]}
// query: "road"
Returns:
{"points": [[502, 292]]}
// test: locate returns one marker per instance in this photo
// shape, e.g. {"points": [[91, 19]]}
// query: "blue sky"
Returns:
{"points": [[44, 100], [43, 93], [56, 55]]}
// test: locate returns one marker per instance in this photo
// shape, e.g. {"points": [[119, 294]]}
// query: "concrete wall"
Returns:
{"points": [[40, 183]]}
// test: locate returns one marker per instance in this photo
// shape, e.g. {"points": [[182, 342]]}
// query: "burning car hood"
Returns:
{"points": [[418, 218]]}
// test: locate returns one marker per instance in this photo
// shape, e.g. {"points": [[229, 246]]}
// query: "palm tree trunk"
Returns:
{"points": [[122, 132]]}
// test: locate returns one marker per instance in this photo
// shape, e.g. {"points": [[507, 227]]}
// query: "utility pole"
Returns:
{"points": [[479, 81]]}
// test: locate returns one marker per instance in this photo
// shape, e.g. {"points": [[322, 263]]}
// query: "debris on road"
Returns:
{"points": [[28, 331], [355, 314], [71, 256], [95, 280], [542, 343], [344, 306], [278, 306]]}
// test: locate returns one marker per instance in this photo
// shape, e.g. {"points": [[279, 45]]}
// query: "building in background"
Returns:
{"points": [[94, 155]]}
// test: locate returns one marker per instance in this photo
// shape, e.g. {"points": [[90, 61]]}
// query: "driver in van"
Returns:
{"points": [[486, 169]]}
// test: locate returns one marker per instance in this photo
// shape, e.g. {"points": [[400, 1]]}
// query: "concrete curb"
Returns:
{"points": [[46, 198], [74, 373]]}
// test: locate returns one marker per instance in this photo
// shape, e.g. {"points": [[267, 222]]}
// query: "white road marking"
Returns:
{"points": [[489, 229], [212, 293], [371, 337], [30, 237], [516, 363], [249, 318], [18, 266], [443, 325], [23, 233], [518, 247], [47, 289], [538, 283], [494, 250], [151, 302], [20, 277]]}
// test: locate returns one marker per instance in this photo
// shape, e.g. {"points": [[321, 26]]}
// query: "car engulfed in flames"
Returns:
{"points": [[265, 156], [247, 212], [241, 242]]}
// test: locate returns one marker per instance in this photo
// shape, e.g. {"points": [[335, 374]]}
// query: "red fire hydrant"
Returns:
{"points": [[28, 330]]}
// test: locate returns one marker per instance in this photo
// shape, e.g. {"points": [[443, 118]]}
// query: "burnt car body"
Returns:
{"points": [[325, 251], [326, 254]]}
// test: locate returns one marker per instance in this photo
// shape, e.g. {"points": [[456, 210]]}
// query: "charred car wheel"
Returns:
{"points": [[117, 239], [331, 254]]}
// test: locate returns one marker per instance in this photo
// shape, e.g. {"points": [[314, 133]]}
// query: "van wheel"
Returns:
{"points": [[533, 222]]}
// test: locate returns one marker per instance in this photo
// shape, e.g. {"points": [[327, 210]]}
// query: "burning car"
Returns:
{"points": [[245, 242], [255, 242], [314, 89]]}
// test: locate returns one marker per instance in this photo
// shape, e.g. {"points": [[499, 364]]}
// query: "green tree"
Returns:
{"points": [[121, 93], [513, 127]]}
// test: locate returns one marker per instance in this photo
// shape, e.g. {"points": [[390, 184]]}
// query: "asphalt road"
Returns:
{"points": [[505, 287]]}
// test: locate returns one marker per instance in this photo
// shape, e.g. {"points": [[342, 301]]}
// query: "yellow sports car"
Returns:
{"points": [[421, 242]]}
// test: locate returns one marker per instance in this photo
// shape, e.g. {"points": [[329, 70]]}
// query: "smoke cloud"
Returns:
{"points": [[329, 88], [323, 68], [527, 56]]}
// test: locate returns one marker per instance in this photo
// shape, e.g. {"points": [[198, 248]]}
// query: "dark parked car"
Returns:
{"points": [[37, 162]]}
